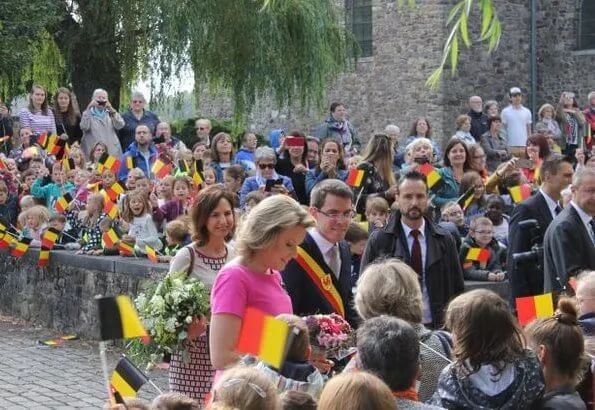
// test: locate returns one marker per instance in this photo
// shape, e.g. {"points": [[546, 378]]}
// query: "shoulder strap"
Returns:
{"points": [[192, 258]]}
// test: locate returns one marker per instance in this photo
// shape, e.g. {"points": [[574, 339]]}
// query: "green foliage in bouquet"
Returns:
{"points": [[167, 309]]}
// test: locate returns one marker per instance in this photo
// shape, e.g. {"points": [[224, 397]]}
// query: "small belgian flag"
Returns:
{"points": [[467, 198], [118, 319], [109, 162], [161, 168], [21, 248], [356, 177], [68, 164], [111, 209], [151, 254], [50, 236], [63, 202], [6, 239], [432, 175], [44, 258], [129, 162], [127, 379], [110, 238], [43, 140], [113, 191], [126, 249]]}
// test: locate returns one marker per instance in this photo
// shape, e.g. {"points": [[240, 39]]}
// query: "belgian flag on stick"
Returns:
{"points": [[356, 177], [116, 189], [44, 258], [109, 162], [126, 249], [63, 202], [6, 239], [162, 167], [111, 209], [110, 238], [433, 177], [118, 319], [49, 238], [520, 193], [467, 198], [151, 254], [534, 307], [68, 164], [43, 140], [21, 248], [127, 379]]}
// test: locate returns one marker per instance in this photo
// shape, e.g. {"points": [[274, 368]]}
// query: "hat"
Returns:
{"points": [[515, 90]]}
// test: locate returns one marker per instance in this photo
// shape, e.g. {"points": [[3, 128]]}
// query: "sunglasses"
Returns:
{"points": [[137, 101], [265, 166], [199, 128]]}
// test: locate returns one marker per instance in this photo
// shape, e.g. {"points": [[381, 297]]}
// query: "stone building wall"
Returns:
{"points": [[389, 87]]}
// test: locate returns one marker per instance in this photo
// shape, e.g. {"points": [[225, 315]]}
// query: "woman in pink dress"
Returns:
{"points": [[213, 222], [266, 241]]}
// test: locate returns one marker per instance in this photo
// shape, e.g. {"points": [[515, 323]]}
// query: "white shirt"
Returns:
{"points": [[515, 121], [427, 313], [325, 248], [586, 218], [551, 203]]}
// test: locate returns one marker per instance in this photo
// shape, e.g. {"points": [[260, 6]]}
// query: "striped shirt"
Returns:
{"points": [[37, 121]]}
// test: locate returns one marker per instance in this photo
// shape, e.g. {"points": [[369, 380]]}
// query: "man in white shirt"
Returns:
{"points": [[569, 245], [516, 120]]}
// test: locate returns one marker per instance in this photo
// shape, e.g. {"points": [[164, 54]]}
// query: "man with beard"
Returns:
{"points": [[428, 249], [479, 121], [142, 153], [318, 280]]}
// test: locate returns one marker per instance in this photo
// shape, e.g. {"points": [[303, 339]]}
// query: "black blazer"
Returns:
{"points": [[526, 279], [443, 273], [306, 298], [567, 249]]}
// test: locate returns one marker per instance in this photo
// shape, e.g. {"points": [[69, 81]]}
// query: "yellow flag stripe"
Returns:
{"points": [[122, 386], [131, 324], [272, 344], [544, 305]]}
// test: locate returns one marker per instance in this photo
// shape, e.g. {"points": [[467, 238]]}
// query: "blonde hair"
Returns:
{"points": [[389, 288], [356, 391], [174, 401], [376, 203], [480, 221], [40, 211], [417, 142], [127, 214], [267, 220], [246, 388], [545, 107]]}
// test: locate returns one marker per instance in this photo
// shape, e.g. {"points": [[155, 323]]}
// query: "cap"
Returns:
{"points": [[515, 90]]}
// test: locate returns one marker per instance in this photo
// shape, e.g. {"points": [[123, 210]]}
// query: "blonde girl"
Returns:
{"points": [[136, 211], [35, 220], [87, 224]]}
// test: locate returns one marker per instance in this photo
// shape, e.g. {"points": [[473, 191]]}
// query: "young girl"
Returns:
{"points": [[209, 175], [78, 156], [472, 181], [491, 369], [559, 345], [165, 190], [136, 211], [178, 205], [35, 220], [8, 204], [96, 152], [54, 190], [87, 224]]}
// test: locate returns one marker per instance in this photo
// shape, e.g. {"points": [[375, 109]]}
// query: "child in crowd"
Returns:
{"points": [[452, 219], [35, 221], [8, 204], [174, 401], [481, 237], [26, 202], [297, 400], [377, 211], [78, 156], [87, 224], [27, 179], [297, 373], [67, 236], [246, 388], [495, 212], [233, 179], [252, 199], [559, 344], [81, 180], [144, 185], [54, 190], [354, 161], [37, 164], [356, 391], [132, 176], [96, 152], [176, 236], [108, 178], [491, 368], [209, 176], [356, 237], [136, 211], [165, 189], [207, 158], [472, 181], [178, 206]]}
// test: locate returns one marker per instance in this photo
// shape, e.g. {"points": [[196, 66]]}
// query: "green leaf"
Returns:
{"points": [[456, 9], [433, 80], [464, 30], [454, 54], [487, 14]]}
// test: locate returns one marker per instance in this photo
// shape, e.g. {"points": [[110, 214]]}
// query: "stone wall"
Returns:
{"points": [[61, 296], [390, 86]]}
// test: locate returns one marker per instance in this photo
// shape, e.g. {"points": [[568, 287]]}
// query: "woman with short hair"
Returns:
{"points": [[37, 115], [135, 116], [213, 224], [463, 133], [266, 160], [457, 161], [392, 288], [266, 241], [495, 144], [100, 123], [338, 126]]}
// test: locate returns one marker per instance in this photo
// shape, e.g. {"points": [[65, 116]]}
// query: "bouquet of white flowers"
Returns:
{"points": [[167, 309]]}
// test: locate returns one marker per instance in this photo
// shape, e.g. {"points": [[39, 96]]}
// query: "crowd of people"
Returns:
{"points": [[384, 236]]}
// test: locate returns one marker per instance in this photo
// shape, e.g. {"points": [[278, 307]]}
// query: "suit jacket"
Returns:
{"points": [[526, 279], [567, 249], [306, 298], [443, 274]]}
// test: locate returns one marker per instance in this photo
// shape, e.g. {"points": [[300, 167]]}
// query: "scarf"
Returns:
{"points": [[343, 128], [409, 394], [96, 112]]}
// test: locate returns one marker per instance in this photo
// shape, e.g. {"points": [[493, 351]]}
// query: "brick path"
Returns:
{"points": [[33, 376]]}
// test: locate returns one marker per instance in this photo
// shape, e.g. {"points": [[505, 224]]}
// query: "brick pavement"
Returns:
{"points": [[33, 376]]}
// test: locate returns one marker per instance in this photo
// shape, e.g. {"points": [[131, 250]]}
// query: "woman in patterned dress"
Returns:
{"points": [[213, 222]]}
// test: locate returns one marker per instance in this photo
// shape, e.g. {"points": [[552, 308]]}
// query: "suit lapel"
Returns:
{"points": [[544, 210]]}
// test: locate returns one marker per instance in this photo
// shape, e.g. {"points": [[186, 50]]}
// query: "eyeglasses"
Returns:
{"points": [[485, 232], [265, 166], [337, 215]]}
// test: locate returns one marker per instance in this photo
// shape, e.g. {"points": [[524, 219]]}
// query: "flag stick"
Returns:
{"points": [[103, 357], [155, 386]]}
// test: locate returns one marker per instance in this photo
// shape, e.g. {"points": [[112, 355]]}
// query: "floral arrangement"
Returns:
{"points": [[167, 309], [331, 335]]}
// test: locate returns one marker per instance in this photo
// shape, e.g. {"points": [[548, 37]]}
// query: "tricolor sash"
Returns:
{"points": [[322, 280]]}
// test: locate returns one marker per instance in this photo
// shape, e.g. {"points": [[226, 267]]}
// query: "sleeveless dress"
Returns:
{"points": [[194, 378]]}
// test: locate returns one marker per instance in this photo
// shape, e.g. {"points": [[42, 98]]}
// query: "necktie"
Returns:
{"points": [[416, 262], [335, 261], [592, 233], [558, 210]]}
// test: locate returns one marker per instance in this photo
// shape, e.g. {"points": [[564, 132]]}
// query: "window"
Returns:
{"points": [[359, 15], [586, 34]]}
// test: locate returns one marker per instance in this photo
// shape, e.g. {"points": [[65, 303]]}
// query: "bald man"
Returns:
{"points": [[479, 121]]}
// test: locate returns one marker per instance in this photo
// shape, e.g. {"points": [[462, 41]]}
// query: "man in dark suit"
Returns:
{"points": [[429, 249], [569, 244], [526, 278], [318, 280]]}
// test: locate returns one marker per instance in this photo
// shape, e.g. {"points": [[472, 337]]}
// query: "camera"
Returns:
{"points": [[535, 254], [101, 103], [159, 139]]}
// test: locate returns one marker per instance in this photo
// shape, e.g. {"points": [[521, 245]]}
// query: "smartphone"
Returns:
{"points": [[524, 163], [271, 183], [294, 141], [159, 140]]}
